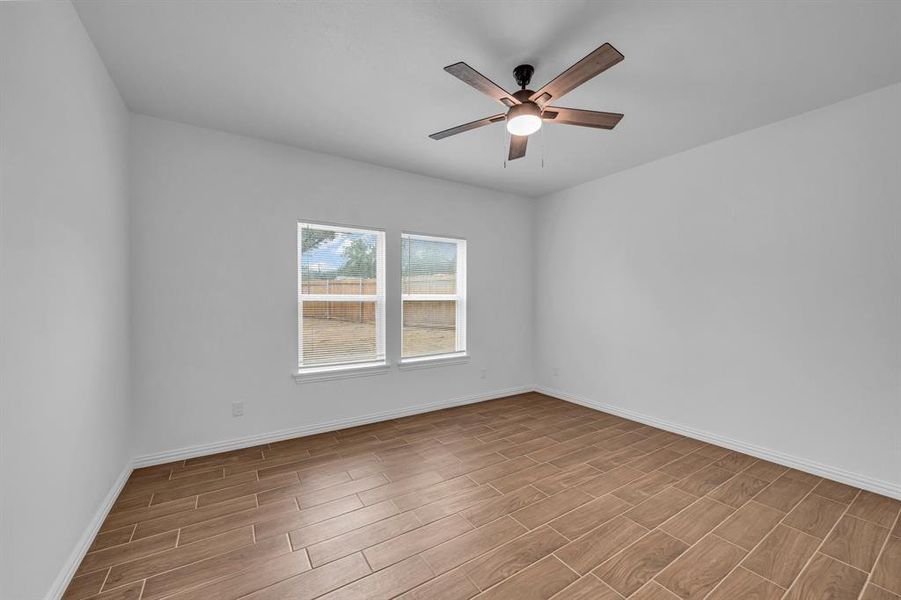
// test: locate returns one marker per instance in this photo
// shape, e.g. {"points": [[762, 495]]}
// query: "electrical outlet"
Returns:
{"points": [[556, 372], [484, 373], [237, 409]]}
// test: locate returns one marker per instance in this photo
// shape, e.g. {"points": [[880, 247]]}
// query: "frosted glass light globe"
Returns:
{"points": [[524, 125], [524, 119]]}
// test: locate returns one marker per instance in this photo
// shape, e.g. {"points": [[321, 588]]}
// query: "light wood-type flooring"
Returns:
{"points": [[526, 497]]}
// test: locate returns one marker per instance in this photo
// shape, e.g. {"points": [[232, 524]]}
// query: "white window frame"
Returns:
{"points": [[461, 353], [349, 368]]}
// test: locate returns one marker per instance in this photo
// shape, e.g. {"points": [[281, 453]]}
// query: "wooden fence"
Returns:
{"points": [[438, 315], [358, 312]]}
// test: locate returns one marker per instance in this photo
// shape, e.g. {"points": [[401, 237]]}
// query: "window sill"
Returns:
{"points": [[341, 372], [438, 360]]}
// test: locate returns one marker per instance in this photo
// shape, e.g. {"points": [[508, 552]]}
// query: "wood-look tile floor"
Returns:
{"points": [[526, 497]]}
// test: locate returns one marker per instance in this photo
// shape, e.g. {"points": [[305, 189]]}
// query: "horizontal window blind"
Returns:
{"points": [[341, 295], [433, 286]]}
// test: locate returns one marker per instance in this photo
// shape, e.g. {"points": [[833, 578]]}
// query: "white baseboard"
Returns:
{"points": [[87, 538], [285, 434], [863, 482]]}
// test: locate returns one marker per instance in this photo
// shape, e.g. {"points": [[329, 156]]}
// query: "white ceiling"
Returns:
{"points": [[365, 80]]}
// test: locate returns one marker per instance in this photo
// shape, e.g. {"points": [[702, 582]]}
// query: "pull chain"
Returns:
{"points": [[506, 141], [542, 147]]}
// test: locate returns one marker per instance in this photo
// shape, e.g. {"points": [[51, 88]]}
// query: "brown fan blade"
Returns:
{"points": [[468, 75], [467, 126], [594, 64], [583, 118], [517, 146]]}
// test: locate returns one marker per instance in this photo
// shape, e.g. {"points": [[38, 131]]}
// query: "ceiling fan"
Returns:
{"points": [[527, 109]]}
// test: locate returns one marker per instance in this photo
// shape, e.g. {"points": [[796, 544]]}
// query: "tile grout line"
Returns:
{"points": [[392, 500], [781, 521], [885, 542], [105, 577], [739, 565], [847, 564], [657, 527], [817, 550], [762, 539], [469, 579], [578, 576], [631, 505], [175, 568], [879, 587], [859, 518], [675, 515]]}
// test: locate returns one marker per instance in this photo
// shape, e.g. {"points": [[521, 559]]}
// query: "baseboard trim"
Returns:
{"points": [[87, 538], [304, 430], [861, 481]]}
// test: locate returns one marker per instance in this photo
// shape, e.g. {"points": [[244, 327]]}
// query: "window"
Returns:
{"points": [[433, 282], [341, 298]]}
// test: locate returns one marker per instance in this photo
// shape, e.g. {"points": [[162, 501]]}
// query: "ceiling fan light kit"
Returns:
{"points": [[524, 119], [526, 110]]}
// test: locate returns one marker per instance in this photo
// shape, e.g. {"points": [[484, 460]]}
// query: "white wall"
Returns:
{"points": [[749, 288], [63, 292], [214, 248]]}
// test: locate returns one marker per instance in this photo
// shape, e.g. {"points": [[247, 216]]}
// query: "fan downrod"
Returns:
{"points": [[523, 75]]}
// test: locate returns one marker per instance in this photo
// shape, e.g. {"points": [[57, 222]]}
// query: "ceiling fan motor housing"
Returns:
{"points": [[522, 95], [526, 108]]}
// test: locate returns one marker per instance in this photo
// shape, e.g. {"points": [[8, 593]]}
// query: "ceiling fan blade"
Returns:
{"points": [[583, 118], [517, 146], [594, 64], [467, 126], [468, 75]]}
